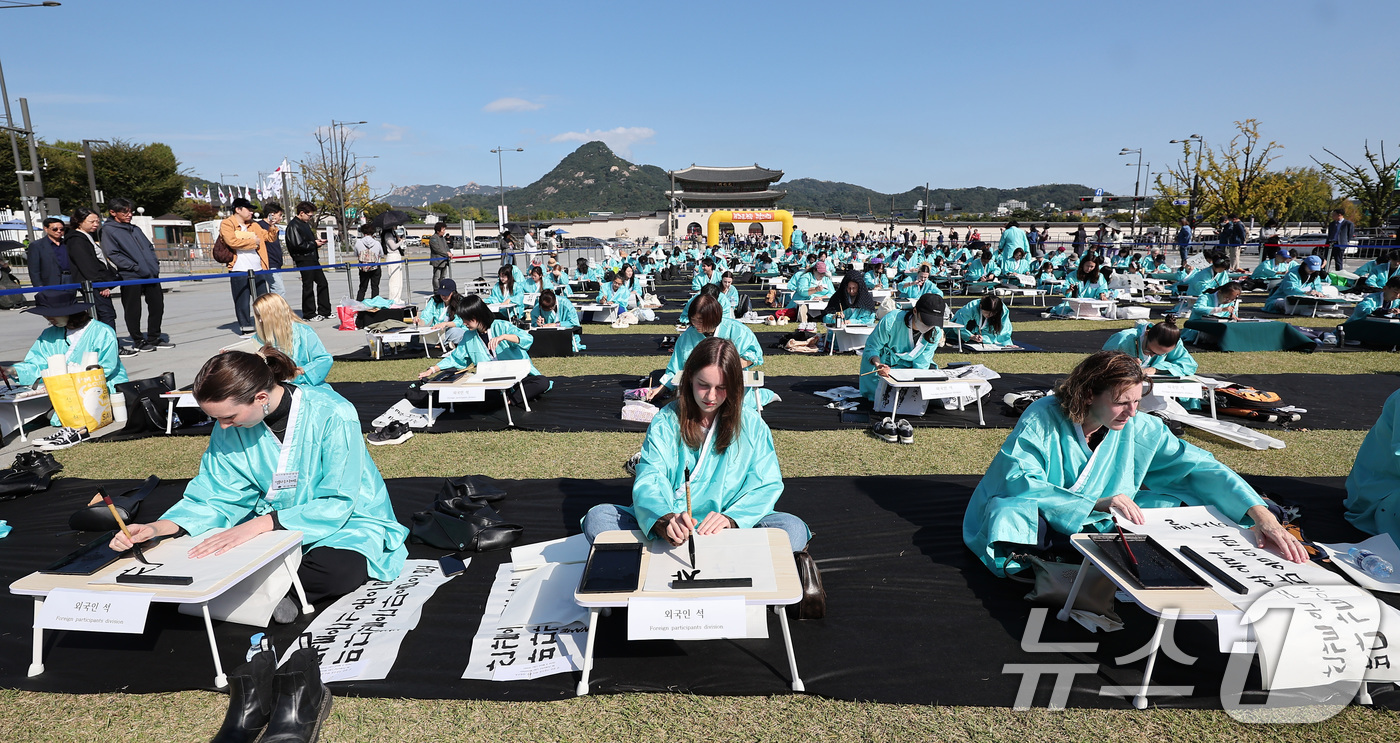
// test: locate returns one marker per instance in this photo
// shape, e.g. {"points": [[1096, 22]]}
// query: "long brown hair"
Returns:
{"points": [[238, 377], [1105, 370], [712, 352]]}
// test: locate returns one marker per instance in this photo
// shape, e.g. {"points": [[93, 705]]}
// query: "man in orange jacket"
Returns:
{"points": [[248, 241]]}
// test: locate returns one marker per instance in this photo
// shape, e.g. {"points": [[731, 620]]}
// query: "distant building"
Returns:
{"points": [[700, 190], [1006, 207]]}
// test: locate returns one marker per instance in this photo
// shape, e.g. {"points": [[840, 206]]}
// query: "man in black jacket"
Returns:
{"points": [[304, 248], [1339, 234], [441, 255], [135, 258], [48, 259]]}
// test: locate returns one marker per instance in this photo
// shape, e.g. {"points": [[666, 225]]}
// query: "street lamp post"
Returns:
{"points": [[1192, 209], [87, 160], [1136, 179], [501, 174]]}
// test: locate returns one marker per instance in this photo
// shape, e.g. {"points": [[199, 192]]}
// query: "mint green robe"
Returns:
{"points": [[743, 482], [1373, 487], [1046, 469], [310, 354], [339, 500], [894, 344], [472, 350]]}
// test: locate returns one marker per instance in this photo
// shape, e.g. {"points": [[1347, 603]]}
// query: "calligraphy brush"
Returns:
{"points": [[1124, 537], [135, 548], [690, 519]]}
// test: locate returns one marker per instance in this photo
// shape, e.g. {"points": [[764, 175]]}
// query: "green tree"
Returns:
{"points": [[376, 209], [195, 211], [445, 210], [1234, 179], [1311, 197], [1370, 185], [147, 174]]}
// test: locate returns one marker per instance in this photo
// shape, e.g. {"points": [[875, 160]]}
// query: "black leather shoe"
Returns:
{"points": [[464, 508], [251, 694], [470, 486], [17, 483], [39, 462], [99, 517], [303, 702]]}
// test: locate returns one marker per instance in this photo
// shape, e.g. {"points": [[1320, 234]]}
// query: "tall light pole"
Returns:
{"points": [[1191, 210], [87, 160], [501, 173], [1136, 178], [10, 122]]}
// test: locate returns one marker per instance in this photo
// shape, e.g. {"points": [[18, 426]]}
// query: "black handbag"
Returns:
{"points": [[813, 603], [99, 518], [482, 531], [17, 483], [145, 410], [473, 487]]}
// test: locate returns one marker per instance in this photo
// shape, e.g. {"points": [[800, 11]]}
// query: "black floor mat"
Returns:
{"points": [[912, 617]]}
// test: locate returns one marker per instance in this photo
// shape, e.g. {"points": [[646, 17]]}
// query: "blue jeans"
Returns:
{"points": [[610, 517]]}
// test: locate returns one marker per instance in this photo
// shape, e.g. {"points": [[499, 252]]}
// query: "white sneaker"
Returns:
{"points": [[399, 412]]}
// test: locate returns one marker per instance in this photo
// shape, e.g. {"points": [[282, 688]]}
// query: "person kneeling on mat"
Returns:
{"points": [[1082, 452], [325, 484], [725, 447], [489, 339], [906, 339], [709, 320]]}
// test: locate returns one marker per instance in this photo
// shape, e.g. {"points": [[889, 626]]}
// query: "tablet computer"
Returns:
{"points": [[87, 559], [612, 568]]}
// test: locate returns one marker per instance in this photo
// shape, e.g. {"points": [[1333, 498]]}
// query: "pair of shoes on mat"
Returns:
{"points": [[894, 431], [396, 432], [276, 705], [404, 412]]}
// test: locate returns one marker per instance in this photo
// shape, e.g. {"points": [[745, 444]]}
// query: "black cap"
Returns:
{"points": [[446, 288], [930, 309], [58, 302]]}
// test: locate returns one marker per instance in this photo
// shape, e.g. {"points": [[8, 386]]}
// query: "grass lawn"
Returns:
{"points": [[195, 715]]}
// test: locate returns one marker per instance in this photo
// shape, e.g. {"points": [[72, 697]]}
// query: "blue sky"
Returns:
{"points": [[884, 94]]}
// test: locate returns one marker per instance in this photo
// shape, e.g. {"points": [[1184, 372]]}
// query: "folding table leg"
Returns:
{"points": [[430, 410], [797, 684], [19, 423], [522, 395], [509, 420], [1140, 701], [588, 651], [169, 416], [1084, 570], [220, 679], [306, 607], [36, 663]]}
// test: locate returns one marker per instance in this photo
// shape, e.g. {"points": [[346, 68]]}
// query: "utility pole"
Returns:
{"points": [[87, 160], [34, 165]]}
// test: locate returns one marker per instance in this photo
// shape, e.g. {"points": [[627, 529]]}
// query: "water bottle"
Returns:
{"points": [[256, 642], [1371, 563]]}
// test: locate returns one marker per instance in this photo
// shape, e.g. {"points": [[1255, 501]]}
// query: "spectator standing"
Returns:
{"points": [[272, 216], [367, 250], [305, 250], [90, 264], [1232, 238], [392, 247], [440, 257], [48, 258], [1183, 239], [135, 258], [1339, 234], [248, 241]]}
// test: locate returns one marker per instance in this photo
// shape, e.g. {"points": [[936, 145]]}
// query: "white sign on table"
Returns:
{"points": [[706, 618], [94, 611], [395, 338], [461, 394]]}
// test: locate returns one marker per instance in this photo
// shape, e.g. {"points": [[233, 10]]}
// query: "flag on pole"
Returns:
{"points": [[222, 198]]}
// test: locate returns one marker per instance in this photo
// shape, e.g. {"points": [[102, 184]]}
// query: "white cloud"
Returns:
{"points": [[620, 139], [393, 133], [511, 105]]}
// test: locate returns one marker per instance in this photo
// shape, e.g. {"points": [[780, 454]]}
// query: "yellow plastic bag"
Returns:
{"points": [[81, 400]]}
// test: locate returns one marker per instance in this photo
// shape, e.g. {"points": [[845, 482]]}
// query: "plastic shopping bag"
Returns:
{"points": [[81, 399]]}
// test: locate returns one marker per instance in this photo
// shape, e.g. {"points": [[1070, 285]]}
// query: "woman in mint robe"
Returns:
{"points": [[1083, 451], [71, 334], [709, 319], [1385, 302], [276, 325], [852, 301], [814, 283], [508, 290], [1156, 347], [906, 339], [725, 447], [285, 457], [556, 311], [489, 339], [985, 320]]}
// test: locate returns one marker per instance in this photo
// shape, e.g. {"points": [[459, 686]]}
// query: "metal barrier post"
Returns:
{"points": [[252, 295], [88, 294]]}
